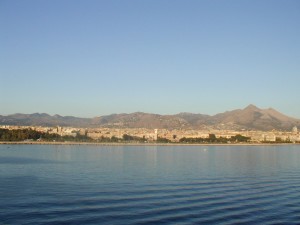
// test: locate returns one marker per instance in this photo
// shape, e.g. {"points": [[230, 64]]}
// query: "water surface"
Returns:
{"points": [[149, 184]]}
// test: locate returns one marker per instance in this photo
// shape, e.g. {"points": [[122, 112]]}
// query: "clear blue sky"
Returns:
{"points": [[91, 58]]}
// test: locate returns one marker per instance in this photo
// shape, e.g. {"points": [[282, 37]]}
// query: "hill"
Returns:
{"points": [[249, 118]]}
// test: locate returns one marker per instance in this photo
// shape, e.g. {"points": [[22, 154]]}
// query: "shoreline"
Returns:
{"points": [[139, 144]]}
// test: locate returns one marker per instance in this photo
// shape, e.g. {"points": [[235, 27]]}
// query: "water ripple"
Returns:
{"points": [[37, 192]]}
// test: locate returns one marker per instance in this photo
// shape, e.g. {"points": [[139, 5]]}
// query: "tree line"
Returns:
{"points": [[213, 139], [33, 135]]}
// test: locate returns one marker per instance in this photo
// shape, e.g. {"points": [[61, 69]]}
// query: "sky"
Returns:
{"points": [[93, 58]]}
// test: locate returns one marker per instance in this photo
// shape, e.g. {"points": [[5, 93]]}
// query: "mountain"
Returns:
{"points": [[139, 119], [255, 118], [43, 119], [249, 118]]}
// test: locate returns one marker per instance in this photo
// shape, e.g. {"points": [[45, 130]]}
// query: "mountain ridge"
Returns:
{"points": [[249, 118]]}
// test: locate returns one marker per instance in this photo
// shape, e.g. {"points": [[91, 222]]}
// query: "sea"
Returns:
{"points": [[94, 184]]}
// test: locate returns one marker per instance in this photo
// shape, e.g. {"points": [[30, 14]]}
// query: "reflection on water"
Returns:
{"points": [[149, 184]]}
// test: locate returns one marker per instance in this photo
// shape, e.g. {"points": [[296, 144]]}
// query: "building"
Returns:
{"points": [[155, 134], [295, 130]]}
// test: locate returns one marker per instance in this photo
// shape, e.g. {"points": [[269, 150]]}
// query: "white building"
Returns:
{"points": [[155, 134], [295, 130]]}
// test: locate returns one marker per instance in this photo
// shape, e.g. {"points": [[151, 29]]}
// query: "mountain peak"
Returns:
{"points": [[251, 107]]}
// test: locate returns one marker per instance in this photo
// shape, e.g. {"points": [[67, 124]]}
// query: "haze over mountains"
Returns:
{"points": [[249, 118]]}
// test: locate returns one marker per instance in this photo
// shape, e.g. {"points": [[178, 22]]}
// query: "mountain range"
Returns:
{"points": [[249, 118]]}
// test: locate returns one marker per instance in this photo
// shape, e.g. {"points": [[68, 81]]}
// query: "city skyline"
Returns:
{"points": [[96, 58]]}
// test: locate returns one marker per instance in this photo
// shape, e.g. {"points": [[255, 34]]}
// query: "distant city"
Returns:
{"points": [[138, 135], [250, 125]]}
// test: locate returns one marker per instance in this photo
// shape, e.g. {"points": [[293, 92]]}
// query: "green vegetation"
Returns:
{"points": [[239, 138], [129, 138], [213, 139], [33, 135], [163, 140]]}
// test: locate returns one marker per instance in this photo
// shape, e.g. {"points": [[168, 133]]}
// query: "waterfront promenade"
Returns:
{"points": [[139, 144]]}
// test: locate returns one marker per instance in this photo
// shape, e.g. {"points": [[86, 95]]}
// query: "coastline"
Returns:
{"points": [[139, 144]]}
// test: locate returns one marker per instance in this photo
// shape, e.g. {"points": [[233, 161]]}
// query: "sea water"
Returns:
{"points": [[61, 184]]}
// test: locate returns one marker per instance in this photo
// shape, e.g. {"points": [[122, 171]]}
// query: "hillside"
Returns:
{"points": [[249, 118]]}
